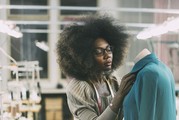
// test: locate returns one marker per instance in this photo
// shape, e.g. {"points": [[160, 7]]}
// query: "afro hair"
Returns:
{"points": [[75, 46]]}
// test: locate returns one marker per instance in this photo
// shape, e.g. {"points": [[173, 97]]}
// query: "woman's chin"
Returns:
{"points": [[107, 71], [107, 68]]}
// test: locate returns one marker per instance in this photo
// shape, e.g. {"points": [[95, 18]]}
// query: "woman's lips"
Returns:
{"points": [[108, 63]]}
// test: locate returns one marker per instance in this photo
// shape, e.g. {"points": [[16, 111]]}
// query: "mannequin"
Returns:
{"points": [[141, 55], [152, 97]]}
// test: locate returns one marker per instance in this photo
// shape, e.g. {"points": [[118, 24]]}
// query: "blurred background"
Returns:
{"points": [[29, 29]]}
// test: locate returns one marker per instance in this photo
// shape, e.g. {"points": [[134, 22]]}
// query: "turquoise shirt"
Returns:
{"points": [[152, 96]]}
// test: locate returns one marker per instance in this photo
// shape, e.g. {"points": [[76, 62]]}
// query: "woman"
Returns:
{"points": [[89, 52]]}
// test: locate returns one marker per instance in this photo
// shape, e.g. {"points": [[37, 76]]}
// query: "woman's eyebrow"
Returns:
{"points": [[101, 47]]}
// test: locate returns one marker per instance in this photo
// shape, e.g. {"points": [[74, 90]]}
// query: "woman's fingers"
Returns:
{"points": [[126, 83], [127, 80], [128, 77]]}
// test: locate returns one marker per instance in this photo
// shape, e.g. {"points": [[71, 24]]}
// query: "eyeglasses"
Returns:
{"points": [[101, 51]]}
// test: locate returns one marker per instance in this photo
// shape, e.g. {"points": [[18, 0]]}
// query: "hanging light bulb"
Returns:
{"points": [[10, 28], [172, 24]]}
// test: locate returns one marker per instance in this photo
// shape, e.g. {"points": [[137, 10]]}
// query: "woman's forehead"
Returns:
{"points": [[100, 42]]}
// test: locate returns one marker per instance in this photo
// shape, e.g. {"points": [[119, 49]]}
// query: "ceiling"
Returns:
{"points": [[135, 14]]}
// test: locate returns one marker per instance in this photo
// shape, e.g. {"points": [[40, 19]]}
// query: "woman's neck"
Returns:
{"points": [[141, 55]]}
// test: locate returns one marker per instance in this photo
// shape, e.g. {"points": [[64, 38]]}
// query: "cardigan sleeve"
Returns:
{"points": [[82, 102]]}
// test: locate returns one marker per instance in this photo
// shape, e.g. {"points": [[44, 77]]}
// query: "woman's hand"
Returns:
{"points": [[124, 87], [126, 84]]}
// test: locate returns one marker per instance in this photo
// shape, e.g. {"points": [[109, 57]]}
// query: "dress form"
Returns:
{"points": [[141, 55]]}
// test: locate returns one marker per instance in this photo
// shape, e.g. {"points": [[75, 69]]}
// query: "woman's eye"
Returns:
{"points": [[98, 51], [102, 51], [109, 49]]}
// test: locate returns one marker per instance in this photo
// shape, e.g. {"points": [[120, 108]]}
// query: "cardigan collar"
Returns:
{"points": [[141, 63]]}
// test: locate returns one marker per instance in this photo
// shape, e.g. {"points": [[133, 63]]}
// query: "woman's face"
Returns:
{"points": [[103, 54]]}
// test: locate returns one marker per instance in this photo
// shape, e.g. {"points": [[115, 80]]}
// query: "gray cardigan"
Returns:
{"points": [[83, 104]]}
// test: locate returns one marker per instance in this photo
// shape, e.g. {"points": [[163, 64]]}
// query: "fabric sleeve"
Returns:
{"points": [[83, 105], [146, 95]]}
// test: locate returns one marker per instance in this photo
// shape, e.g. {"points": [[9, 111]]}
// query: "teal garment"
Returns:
{"points": [[152, 96]]}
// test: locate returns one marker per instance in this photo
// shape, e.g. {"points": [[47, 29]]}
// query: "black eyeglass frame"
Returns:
{"points": [[101, 51]]}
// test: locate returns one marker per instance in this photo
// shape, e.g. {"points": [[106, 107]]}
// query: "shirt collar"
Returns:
{"points": [[141, 63]]}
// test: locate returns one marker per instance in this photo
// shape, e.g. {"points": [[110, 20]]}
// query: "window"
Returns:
{"points": [[25, 49], [32, 13], [82, 3]]}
